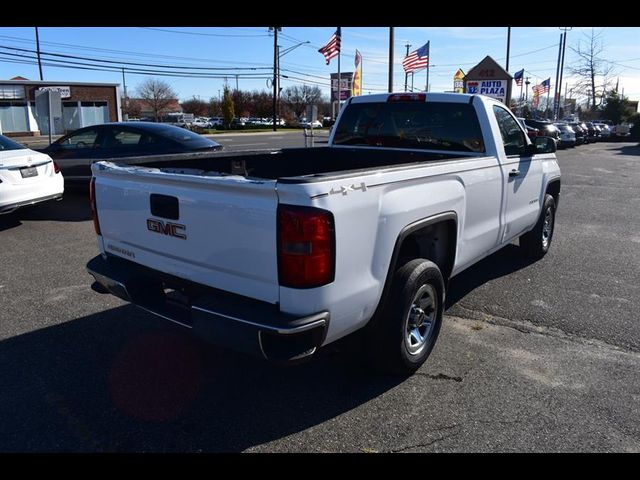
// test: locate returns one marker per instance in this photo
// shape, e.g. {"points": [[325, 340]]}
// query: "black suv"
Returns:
{"points": [[547, 129]]}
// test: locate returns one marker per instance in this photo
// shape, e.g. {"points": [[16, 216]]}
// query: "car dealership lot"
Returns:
{"points": [[532, 357]]}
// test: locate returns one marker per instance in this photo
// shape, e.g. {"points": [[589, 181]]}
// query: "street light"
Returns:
{"points": [[280, 55]]}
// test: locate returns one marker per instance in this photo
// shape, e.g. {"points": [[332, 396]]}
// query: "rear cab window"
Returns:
{"points": [[414, 125]]}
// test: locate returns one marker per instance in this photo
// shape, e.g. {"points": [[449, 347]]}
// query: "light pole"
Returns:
{"points": [[564, 44], [280, 55], [275, 31]]}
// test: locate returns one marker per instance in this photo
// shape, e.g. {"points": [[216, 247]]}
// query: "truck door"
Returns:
{"points": [[522, 174]]}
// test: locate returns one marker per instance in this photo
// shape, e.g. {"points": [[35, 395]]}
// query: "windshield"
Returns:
{"points": [[6, 144], [186, 138], [423, 125]]}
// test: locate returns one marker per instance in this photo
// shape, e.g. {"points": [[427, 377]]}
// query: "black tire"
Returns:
{"points": [[391, 339], [536, 243]]}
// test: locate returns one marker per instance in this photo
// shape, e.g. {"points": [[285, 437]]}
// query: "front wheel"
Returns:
{"points": [[536, 243], [402, 336]]}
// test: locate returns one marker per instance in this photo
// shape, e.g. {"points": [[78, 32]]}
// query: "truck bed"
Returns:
{"points": [[301, 164]]}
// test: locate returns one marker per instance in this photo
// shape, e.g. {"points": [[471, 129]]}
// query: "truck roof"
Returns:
{"points": [[429, 97]]}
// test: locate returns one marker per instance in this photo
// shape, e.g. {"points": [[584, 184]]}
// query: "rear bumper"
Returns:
{"points": [[8, 208], [224, 319]]}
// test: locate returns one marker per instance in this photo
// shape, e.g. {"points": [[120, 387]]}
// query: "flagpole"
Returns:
{"points": [[339, 77], [521, 99], [548, 94], [428, 63]]}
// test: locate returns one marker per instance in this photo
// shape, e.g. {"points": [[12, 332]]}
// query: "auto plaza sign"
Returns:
{"points": [[491, 88], [490, 79]]}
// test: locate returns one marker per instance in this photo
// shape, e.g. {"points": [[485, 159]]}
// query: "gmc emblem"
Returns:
{"points": [[167, 228]]}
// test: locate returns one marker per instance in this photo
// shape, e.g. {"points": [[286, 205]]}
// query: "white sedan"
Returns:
{"points": [[314, 124], [26, 176]]}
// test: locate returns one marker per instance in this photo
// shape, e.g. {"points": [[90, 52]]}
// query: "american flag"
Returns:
{"points": [[332, 49], [417, 59], [544, 87], [518, 77]]}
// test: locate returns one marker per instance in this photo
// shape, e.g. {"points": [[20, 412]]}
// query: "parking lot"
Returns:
{"points": [[537, 356]]}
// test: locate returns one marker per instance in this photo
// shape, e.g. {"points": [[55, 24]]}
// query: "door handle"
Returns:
{"points": [[514, 173]]}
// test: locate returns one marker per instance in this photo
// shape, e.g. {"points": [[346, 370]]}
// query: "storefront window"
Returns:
{"points": [[13, 116]]}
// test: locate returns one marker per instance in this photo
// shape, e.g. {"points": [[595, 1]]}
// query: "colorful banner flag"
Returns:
{"points": [[357, 76]]}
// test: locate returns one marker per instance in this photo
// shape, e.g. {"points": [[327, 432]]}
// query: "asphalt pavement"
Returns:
{"points": [[540, 356]]}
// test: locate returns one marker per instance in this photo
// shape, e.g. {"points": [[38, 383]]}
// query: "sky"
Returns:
{"points": [[248, 52]]}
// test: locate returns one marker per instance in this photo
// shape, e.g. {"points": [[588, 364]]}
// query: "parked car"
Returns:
{"points": [[592, 132], [622, 131], [216, 121], [76, 151], [581, 133], [201, 123], [567, 135], [307, 124], [532, 133], [605, 130], [279, 253], [545, 128], [27, 177]]}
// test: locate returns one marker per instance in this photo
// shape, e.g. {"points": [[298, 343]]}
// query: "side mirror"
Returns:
{"points": [[545, 145]]}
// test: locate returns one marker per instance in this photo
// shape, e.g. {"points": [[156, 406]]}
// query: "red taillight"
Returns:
{"points": [[94, 210], [306, 246], [407, 97], [56, 168]]}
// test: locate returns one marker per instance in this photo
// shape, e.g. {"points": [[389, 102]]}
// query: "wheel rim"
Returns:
{"points": [[547, 228], [421, 319]]}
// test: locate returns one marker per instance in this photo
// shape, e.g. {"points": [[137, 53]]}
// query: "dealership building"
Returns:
{"points": [[83, 104]]}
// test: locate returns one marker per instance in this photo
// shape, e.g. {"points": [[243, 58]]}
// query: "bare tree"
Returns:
{"points": [[591, 68], [157, 94], [297, 98], [196, 106]]}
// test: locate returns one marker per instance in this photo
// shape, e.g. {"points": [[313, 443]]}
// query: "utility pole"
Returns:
{"points": [[237, 88], [275, 74], [390, 59], [564, 44], [125, 114], [526, 90], [508, 46], [406, 74], [555, 87], [38, 50]]}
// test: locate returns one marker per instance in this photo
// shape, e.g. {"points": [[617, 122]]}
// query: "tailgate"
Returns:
{"points": [[218, 231]]}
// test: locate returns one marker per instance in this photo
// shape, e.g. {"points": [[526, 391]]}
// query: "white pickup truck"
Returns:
{"points": [[281, 253]]}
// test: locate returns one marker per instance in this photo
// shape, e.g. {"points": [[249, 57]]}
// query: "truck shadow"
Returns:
{"points": [[120, 380], [503, 262], [633, 149]]}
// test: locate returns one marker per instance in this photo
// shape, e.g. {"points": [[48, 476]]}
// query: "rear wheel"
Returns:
{"points": [[536, 243], [401, 337]]}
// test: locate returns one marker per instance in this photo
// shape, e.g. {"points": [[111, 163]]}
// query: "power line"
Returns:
{"points": [[126, 52], [138, 71], [130, 63], [203, 34]]}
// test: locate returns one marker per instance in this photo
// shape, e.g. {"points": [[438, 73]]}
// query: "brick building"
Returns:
{"points": [[83, 104]]}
